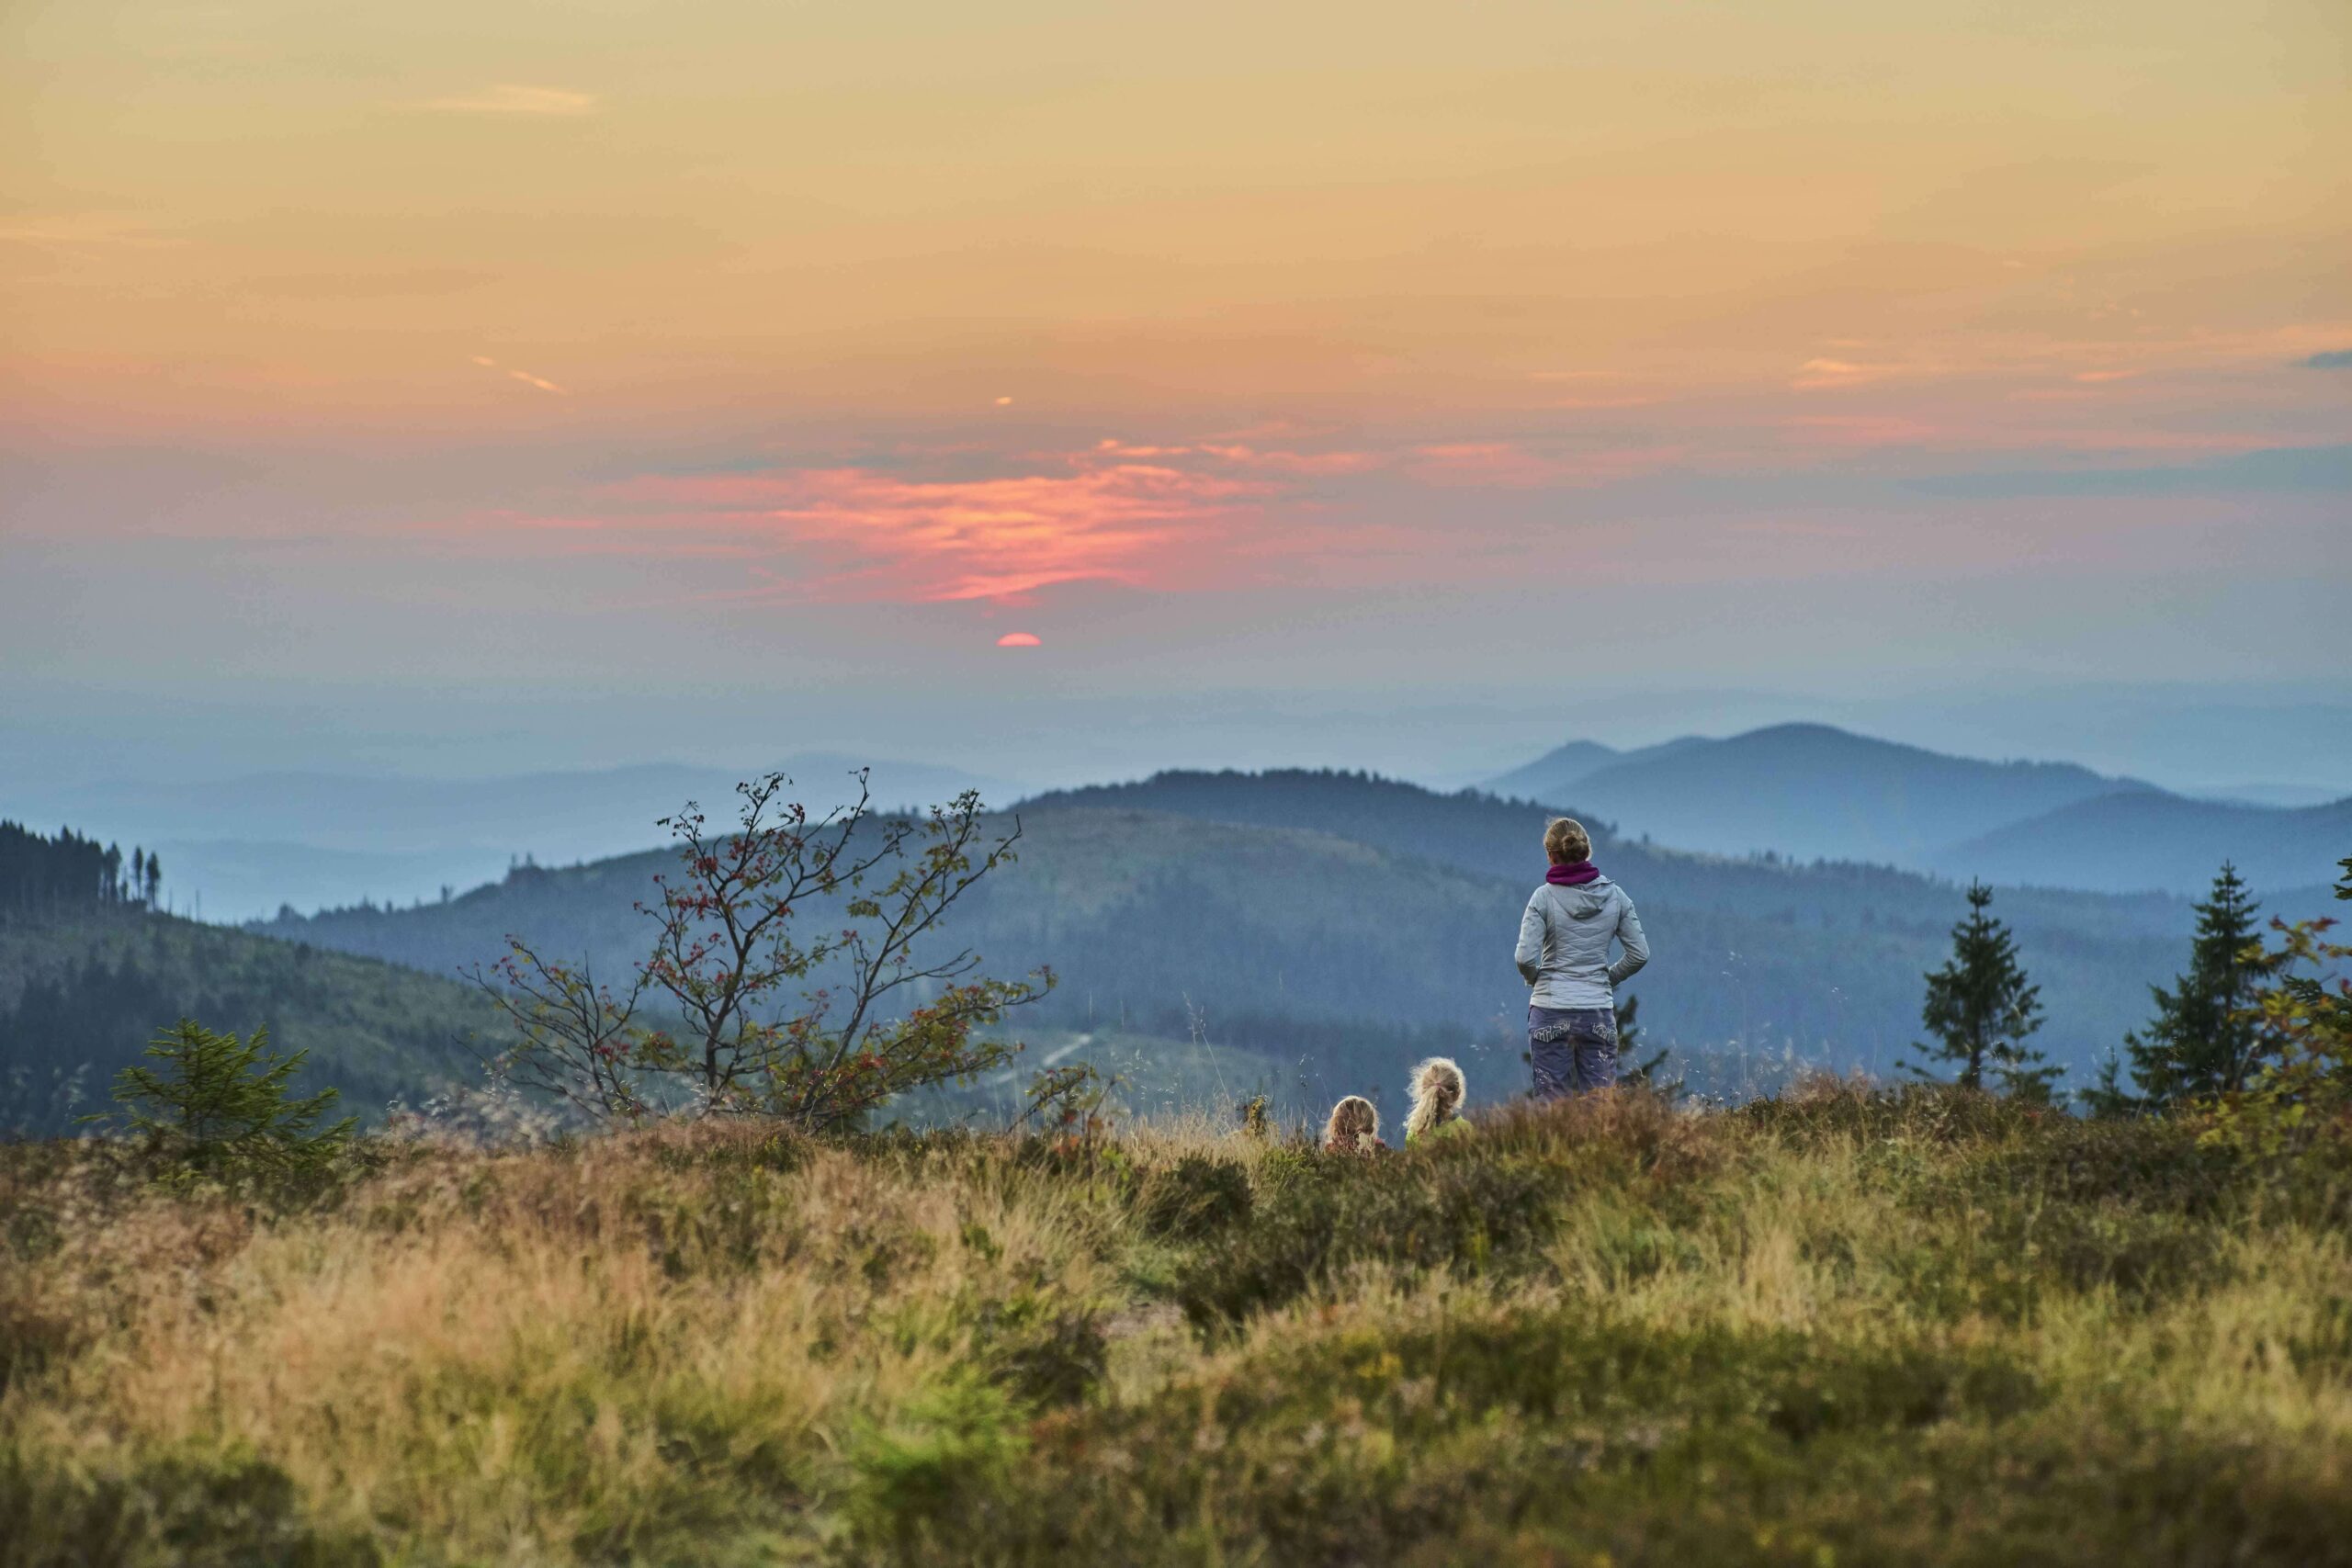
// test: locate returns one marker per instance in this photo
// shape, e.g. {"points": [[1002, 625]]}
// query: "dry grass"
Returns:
{"points": [[1849, 1327]]}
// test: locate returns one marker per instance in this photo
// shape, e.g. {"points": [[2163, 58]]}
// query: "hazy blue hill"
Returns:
{"points": [[1813, 790], [1345, 923], [248, 845], [1560, 769], [2126, 842], [2258, 793], [90, 991], [1556, 770]]}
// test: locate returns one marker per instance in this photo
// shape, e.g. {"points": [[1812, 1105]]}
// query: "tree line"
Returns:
{"points": [[40, 874]]}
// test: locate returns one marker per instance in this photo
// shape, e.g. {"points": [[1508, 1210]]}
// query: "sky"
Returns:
{"points": [[1044, 389]]}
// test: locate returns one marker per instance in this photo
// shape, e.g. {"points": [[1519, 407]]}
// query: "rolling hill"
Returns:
{"points": [[1344, 924], [2148, 839], [1811, 790], [81, 995]]}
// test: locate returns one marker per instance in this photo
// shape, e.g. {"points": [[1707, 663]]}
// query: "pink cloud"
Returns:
{"points": [[1297, 462], [882, 536]]}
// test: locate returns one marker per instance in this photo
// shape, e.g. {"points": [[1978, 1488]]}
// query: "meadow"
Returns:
{"points": [[1841, 1327]]}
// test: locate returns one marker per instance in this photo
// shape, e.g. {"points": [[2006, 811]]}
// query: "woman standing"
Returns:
{"points": [[1564, 941]]}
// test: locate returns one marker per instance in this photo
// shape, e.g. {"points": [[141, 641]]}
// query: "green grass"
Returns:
{"points": [[1836, 1328]]}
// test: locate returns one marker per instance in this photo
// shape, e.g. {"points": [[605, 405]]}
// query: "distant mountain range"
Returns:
{"points": [[1814, 792]]}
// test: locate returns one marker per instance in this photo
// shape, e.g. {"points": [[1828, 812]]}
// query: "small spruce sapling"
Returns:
{"points": [[214, 1101], [1981, 1007]]}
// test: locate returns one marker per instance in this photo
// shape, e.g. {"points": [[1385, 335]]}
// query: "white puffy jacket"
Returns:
{"points": [[1564, 943]]}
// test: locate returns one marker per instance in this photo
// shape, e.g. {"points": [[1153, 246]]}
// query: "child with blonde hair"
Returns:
{"points": [[1438, 1093], [1354, 1127]]}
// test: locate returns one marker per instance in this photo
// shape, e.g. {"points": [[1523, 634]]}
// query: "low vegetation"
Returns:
{"points": [[1841, 1327]]}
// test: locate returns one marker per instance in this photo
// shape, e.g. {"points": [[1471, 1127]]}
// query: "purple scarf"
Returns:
{"points": [[1575, 875]]}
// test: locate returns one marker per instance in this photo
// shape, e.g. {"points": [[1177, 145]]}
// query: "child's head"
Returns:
{"points": [[1438, 1093], [1354, 1123]]}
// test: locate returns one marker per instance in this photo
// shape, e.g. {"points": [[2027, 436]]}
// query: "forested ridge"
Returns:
{"points": [[82, 995], [1339, 922]]}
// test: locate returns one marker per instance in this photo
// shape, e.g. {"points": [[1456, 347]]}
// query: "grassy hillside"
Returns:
{"points": [[1838, 1329], [1345, 953], [81, 998]]}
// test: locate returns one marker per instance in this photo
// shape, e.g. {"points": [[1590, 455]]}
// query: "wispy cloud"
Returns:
{"points": [[1264, 459], [73, 231], [508, 97], [1817, 373], [1285, 462], [541, 382]]}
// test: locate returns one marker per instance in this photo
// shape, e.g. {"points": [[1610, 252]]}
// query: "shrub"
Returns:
{"points": [[725, 956], [1042, 1355], [181, 1509], [1194, 1198], [917, 1479], [1474, 1214]]}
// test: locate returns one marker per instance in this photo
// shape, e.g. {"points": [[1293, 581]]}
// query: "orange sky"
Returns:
{"points": [[821, 304]]}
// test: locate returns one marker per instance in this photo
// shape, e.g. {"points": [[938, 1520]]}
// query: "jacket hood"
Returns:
{"points": [[1585, 900]]}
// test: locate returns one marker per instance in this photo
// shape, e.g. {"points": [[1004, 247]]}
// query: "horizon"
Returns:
{"points": [[267, 840]]}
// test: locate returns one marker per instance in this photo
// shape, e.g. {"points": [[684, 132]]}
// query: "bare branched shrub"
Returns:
{"points": [[816, 1030]]}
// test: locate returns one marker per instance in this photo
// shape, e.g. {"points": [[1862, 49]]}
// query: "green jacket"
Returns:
{"points": [[1452, 1127]]}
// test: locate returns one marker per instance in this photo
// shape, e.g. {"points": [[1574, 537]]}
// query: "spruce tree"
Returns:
{"points": [[214, 1101], [1981, 1007], [2208, 1037]]}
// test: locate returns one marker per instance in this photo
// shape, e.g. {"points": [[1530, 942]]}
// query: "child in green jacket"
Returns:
{"points": [[1438, 1093]]}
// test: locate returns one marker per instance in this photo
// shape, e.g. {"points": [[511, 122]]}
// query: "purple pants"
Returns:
{"points": [[1573, 1050]]}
